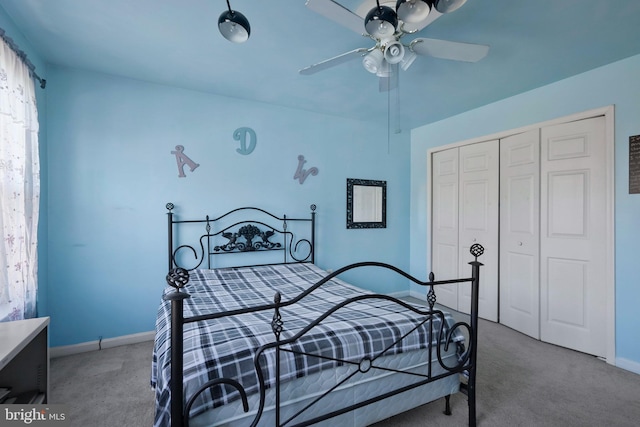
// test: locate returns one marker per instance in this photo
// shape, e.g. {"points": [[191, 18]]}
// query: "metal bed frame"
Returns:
{"points": [[250, 236]]}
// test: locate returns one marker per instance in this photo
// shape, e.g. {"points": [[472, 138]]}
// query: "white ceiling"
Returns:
{"points": [[176, 42]]}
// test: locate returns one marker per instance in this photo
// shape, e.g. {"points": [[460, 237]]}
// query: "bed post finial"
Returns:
{"points": [[476, 250], [177, 278]]}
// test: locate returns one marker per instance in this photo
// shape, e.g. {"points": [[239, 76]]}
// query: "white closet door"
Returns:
{"points": [[444, 229], [478, 223], [520, 232], [573, 236]]}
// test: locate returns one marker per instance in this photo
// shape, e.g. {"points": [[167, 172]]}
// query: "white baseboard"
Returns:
{"points": [[628, 365], [418, 294], [84, 347], [400, 294], [421, 294]]}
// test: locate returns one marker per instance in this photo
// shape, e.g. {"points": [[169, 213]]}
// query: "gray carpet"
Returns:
{"points": [[107, 388], [521, 382]]}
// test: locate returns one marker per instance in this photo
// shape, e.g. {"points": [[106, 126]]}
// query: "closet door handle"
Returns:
{"points": [[519, 243]]}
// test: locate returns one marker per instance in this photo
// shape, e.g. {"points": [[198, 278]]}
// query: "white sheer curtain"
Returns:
{"points": [[19, 188]]}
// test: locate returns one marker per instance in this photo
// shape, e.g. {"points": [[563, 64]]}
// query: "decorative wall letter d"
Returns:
{"points": [[182, 159], [241, 135]]}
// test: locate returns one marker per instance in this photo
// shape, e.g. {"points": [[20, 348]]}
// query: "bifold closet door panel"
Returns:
{"points": [[478, 209], [573, 238], [520, 232], [444, 229]]}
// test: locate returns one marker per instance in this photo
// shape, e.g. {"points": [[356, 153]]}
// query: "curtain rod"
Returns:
{"points": [[23, 58]]}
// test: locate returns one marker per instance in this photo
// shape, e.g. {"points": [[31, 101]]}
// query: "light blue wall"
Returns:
{"points": [[111, 172], [41, 95], [617, 84], [107, 172]]}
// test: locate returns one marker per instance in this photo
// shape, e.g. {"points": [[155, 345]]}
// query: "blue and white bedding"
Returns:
{"points": [[226, 347]]}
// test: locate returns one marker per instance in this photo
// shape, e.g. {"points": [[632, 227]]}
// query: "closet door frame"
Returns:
{"points": [[608, 113]]}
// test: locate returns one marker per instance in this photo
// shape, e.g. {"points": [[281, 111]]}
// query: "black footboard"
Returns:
{"points": [[466, 363]]}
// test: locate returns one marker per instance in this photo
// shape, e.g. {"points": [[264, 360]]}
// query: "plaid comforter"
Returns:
{"points": [[226, 347]]}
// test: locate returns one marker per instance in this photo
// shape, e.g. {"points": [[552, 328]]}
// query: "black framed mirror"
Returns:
{"points": [[366, 203]]}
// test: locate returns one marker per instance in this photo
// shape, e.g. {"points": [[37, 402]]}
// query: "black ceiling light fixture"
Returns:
{"points": [[234, 26], [413, 11], [446, 6], [381, 21]]}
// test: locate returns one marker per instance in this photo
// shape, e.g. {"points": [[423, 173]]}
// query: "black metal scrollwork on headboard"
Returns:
{"points": [[248, 233], [246, 236]]}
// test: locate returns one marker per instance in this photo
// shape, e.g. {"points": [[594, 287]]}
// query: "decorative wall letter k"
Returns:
{"points": [[302, 174], [182, 159]]}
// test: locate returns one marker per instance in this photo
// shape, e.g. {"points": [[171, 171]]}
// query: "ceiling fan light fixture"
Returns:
{"points": [[373, 61], [413, 11], [394, 52], [447, 6], [234, 26], [384, 70], [381, 21]]}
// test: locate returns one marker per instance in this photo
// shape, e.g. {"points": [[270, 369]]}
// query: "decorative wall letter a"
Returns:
{"points": [[241, 135], [182, 159], [302, 174]]}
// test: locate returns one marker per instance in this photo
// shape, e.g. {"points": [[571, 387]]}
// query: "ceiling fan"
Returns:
{"points": [[387, 25]]}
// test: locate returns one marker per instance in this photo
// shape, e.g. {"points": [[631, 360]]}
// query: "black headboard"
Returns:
{"points": [[242, 230]]}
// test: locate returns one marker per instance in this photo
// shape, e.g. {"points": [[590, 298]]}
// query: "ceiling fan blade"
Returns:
{"points": [[338, 13], [444, 49], [336, 60]]}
